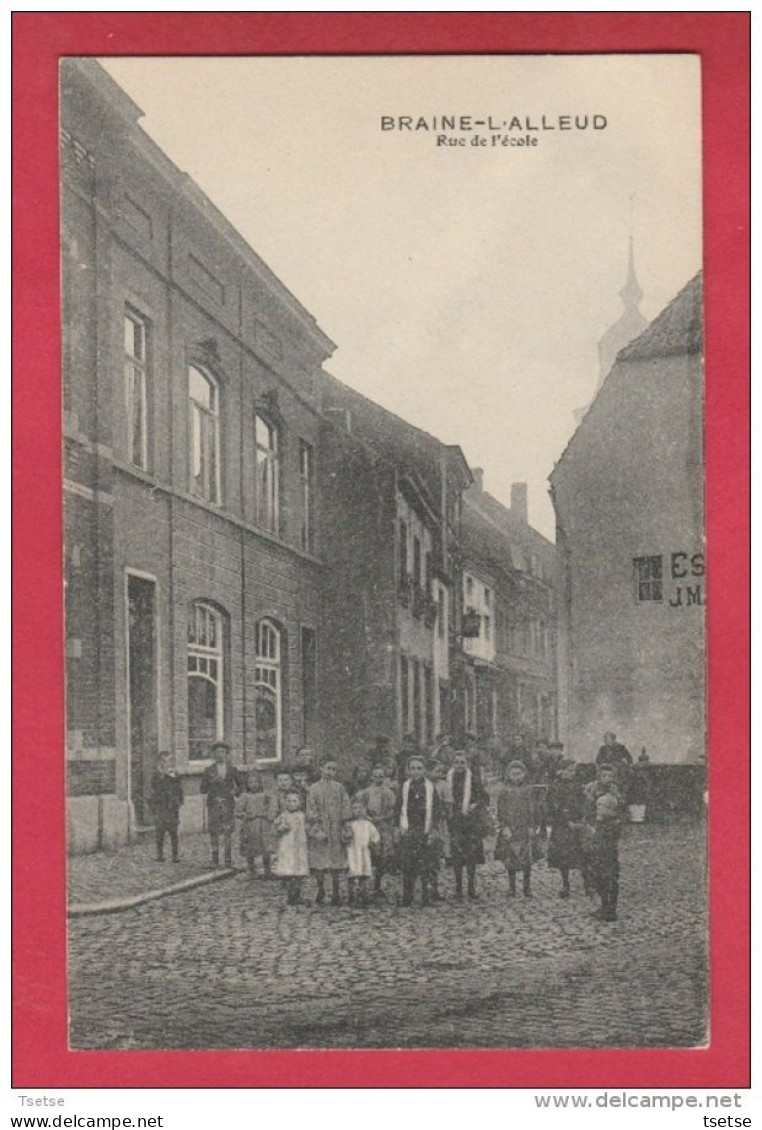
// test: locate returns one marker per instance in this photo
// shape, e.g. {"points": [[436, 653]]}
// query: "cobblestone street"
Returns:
{"points": [[229, 966]]}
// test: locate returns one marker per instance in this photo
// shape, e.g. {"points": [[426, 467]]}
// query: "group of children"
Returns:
{"points": [[310, 825]]}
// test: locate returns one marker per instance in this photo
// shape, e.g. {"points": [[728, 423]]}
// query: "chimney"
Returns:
{"points": [[519, 506], [478, 475]]}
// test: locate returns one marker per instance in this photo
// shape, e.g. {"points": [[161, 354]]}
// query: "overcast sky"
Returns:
{"points": [[466, 287]]}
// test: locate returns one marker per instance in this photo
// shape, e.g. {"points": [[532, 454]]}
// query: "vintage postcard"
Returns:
{"points": [[384, 552]]}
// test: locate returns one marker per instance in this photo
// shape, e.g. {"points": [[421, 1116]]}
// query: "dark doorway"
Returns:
{"points": [[141, 651]]}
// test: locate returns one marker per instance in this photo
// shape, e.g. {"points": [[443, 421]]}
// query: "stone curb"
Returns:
{"points": [[114, 906]]}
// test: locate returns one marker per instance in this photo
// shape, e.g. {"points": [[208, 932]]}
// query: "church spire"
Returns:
{"points": [[631, 293], [625, 329]]}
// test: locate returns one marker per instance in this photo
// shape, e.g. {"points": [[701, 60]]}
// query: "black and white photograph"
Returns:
{"points": [[383, 397]]}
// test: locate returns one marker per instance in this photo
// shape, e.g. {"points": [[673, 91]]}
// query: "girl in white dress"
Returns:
{"points": [[292, 860], [361, 836]]}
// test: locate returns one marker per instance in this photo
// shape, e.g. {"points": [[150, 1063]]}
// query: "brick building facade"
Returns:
{"points": [[254, 551], [191, 425]]}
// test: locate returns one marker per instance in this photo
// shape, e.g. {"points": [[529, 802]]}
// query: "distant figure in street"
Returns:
{"points": [[441, 848], [381, 806], [565, 812], [362, 843], [381, 752], [220, 786], [467, 801], [305, 762], [640, 783], [390, 777], [554, 761], [618, 756], [166, 802], [517, 820], [256, 810], [604, 814], [419, 814], [328, 810], [302, 780], [361, 772], [284, 783], [443, 751], [292, 856], [474, 756], [409, 749]]}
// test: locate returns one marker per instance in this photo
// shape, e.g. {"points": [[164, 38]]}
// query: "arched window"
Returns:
{"points": [[268, 680], [206, 695], [204, 408], [268, 474]]}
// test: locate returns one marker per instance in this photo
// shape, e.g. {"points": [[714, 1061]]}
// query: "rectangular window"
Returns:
{"points": [[404, 695], [417, 719], [267, 474], [135, 388], [203, 402], [417, 562], [428, 703], [444, 708], [309, 685], [403, 551], [442, 613], [307, 488], [487, 628], [647, 576]]}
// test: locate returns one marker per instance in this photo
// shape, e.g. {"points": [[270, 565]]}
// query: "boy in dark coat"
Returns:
{"points": [[604, 815], [467, 802], [166, 801], [565, 811], [420, 811], [220, 785], [517, 819]]}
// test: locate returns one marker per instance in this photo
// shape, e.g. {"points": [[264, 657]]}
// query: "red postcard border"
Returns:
{"points": [[41, 1057]]}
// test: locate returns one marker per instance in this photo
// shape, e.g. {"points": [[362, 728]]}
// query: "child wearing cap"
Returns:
{"points": [[166, 802], [292, 857], [604, 815], [362, 839], [420, 811], [517, 820], [220, 785]]}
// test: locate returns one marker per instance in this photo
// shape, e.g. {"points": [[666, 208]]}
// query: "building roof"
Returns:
{"points": [[411, 449], [110, 94], [677, 330], [501, 538]]}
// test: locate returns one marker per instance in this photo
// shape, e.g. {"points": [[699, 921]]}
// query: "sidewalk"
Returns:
{"points": [[117, 880]]}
